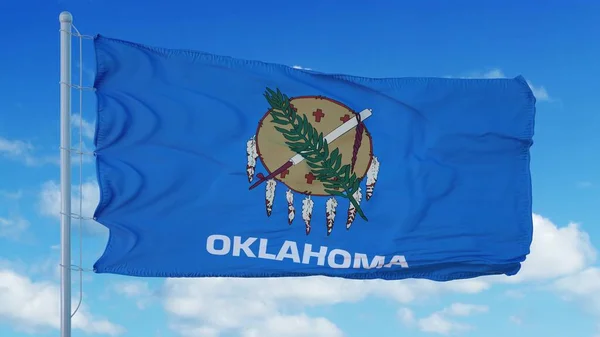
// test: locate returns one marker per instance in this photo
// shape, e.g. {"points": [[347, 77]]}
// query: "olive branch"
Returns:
{"points": [[305, 140]]}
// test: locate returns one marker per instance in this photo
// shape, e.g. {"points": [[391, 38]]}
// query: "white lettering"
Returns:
{"points": [[308, 253], [238, 246], [347, 259], [262, 250], [336, 258], [289, 250], [210, 245], [397, 260], [362, 260]]}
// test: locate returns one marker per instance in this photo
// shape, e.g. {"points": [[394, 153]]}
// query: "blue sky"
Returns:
{"points": [[558, 291]]}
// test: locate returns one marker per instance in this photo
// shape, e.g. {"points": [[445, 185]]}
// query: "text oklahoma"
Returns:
{"points": [[223, 245]]}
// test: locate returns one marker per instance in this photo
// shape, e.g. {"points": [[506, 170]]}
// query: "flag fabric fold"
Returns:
{"points": [[212, 166]]}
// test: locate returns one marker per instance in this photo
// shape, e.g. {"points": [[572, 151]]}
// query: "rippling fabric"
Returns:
{"points": [[199, 174]]}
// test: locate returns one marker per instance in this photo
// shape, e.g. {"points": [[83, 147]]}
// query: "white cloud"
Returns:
{"points": [[555, 252], [494, 73], [514, 293], [216, 305], [441, 322], [133, 288], [540, 92], [15, 148], [190, 330], [47, 268], [293, 326], [50, 204], [13, 227], [28, 154], [517, 320], [406, 316], [33, 307], [138, 290], [583, 287], [87, 128], [462, 309], [88, 73], [438, 323], [564, 256], [255, 305], [24, 152]]}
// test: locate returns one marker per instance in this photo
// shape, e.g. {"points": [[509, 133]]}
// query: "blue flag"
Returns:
{"points": [[212, 166]]}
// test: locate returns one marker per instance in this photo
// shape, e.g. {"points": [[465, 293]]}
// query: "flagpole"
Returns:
{"points": [[66, 19]]}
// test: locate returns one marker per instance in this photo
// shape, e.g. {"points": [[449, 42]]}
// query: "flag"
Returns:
{"points": [[212, 166]]}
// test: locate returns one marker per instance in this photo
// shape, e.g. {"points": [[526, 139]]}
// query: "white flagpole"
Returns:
{"points": [[66, 19]]}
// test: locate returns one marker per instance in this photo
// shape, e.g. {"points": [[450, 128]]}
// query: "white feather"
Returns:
{"points": [[270, 194], [373, 171], [290, 200]]}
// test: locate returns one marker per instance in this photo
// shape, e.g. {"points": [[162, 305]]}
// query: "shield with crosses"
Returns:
{"points": [[316, 147]]}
